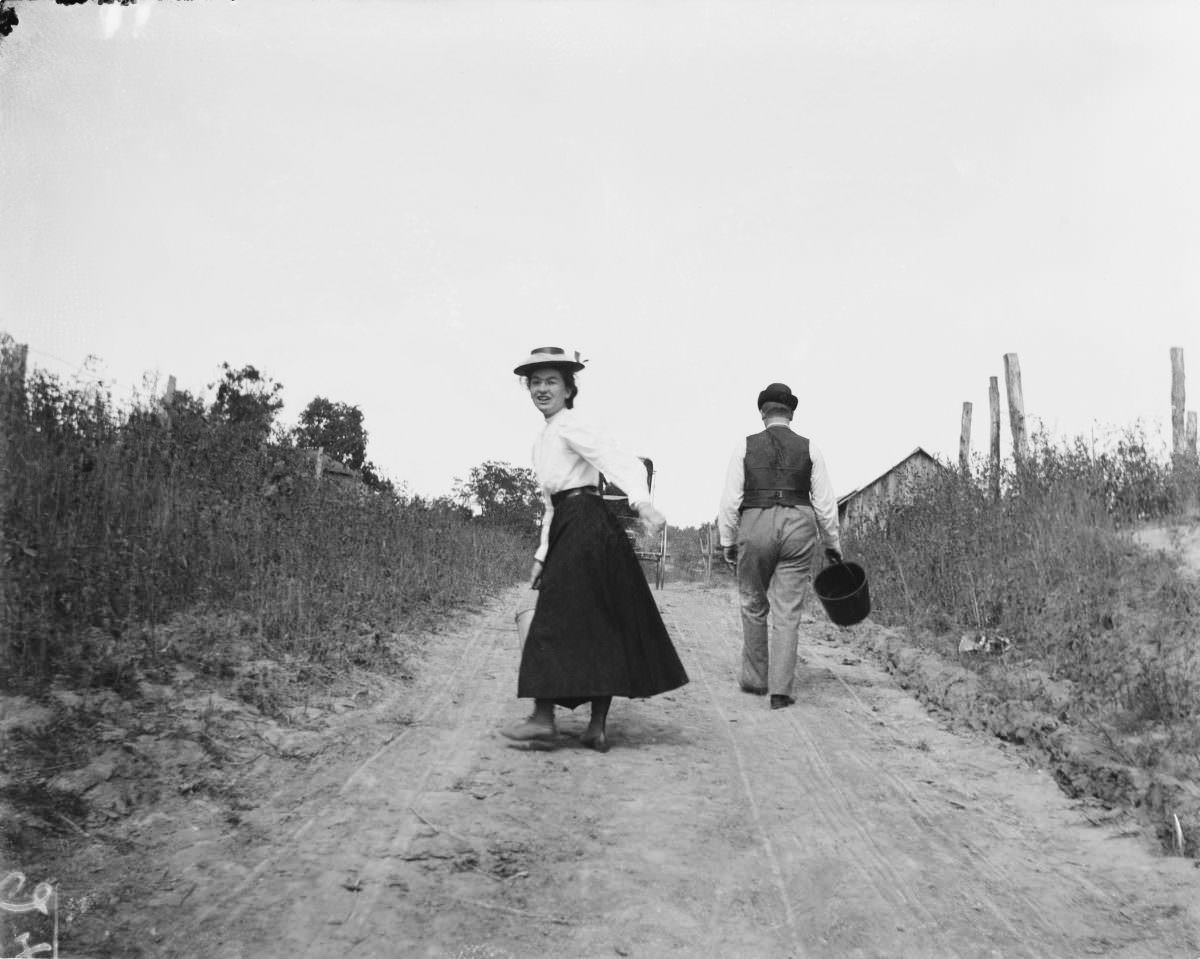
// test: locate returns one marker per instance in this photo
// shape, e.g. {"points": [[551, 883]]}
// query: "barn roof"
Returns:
{"points": [[919, 451], [330, 466]]}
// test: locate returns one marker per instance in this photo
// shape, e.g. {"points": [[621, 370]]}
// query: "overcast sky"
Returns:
{"points": [[389, 203]]}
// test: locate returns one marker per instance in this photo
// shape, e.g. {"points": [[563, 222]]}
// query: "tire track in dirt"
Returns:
{"points": [[840, 809], [229, 909], [592, 835], [833, 811], [851, 825], [774, 757], [896, 834], [764, 836], [1045, 922], [403, 794], [926, 814]]}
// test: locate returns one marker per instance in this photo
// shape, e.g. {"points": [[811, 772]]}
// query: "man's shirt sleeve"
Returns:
{"points": [[823, 500], [731, 498]]}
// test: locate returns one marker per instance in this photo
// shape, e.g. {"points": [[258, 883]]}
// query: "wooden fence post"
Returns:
{"points": [[1016, 405], [165, 401], [994, 447], [964, 439], [1178, 416], [12, 407], [1183, 438], [12, 381], [12, 412]]}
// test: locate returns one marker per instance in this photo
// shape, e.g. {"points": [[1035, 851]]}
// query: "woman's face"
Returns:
{"points": [[548, 390]]}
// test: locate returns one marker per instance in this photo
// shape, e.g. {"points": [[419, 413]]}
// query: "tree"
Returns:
{"points": [[248, 401], [8, 19], [506, 495], [337, 428]]}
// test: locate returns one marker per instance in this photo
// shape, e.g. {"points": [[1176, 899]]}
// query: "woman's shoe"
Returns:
{"points": [[595, 740], [529, 731]]}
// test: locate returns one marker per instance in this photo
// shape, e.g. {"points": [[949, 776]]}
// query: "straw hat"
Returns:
{"points": [[550, 356]]}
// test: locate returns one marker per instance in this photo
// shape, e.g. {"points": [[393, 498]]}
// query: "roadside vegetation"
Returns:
{"points": [[189, 594], [1046, 595], [138, 537], [169, 549], [188, 589]]}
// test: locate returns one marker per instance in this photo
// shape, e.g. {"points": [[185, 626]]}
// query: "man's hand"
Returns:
{"points": [[729, 554], [651, 519], [833, 555], [535, 577]]}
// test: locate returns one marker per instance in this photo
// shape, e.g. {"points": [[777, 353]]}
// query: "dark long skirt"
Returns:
{"points": [[596, 631]]}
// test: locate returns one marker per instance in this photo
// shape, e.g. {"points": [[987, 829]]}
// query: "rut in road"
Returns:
{"points": [[850, 825]]}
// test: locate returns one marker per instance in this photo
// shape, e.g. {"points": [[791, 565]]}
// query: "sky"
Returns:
{"points": [[389, 203]]}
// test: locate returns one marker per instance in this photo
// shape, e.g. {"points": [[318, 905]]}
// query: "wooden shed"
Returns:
{"points": [[890, 488], [325, 467]]}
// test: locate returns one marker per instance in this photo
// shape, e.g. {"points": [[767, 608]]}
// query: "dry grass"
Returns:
{"points": [[1053, 566], [117, 523]]}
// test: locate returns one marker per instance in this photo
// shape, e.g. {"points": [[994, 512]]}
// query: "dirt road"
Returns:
{"points": [[851, 825]]}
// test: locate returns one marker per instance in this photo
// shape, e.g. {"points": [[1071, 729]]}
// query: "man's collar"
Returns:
{"points": [[777, 421]]}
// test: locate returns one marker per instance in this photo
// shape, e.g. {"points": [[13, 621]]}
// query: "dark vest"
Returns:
{"points": [[778, 470]]}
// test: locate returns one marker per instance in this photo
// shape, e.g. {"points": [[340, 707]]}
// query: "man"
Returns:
{"points": [[777, 504]]}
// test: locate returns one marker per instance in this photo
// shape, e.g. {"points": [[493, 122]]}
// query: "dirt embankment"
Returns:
{"points": [[399, 824], [1030, 712]]}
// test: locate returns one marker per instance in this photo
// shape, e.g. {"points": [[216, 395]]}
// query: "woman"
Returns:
{"points": [[596, 632]]}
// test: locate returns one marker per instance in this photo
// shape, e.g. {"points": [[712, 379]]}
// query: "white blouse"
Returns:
{"points": [[571, 451]]}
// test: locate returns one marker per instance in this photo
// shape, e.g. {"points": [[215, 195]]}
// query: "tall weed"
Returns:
{"points": [[1051, 565], [116, 520]]}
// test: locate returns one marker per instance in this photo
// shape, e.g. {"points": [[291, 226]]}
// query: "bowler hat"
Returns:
{"points": [[549, 356], [778, 393]]}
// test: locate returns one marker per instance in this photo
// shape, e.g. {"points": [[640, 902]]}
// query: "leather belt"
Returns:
{"points": [[556, 498], [768, 499]]}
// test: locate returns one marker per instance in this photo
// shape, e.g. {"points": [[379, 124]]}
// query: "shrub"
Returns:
{"points": [[116, 520], [1051, 565]]}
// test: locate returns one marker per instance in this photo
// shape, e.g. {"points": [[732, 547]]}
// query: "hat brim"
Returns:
{"points": [[530, 365]]}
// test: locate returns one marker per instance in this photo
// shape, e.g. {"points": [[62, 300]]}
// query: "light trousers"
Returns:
{"points": [[774, 562]]}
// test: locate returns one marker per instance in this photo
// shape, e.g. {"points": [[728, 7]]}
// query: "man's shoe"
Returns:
{"points": [[781, 702], [754, 690]]}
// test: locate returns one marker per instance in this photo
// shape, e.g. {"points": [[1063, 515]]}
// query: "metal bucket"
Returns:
{"points": [[842, 590]]}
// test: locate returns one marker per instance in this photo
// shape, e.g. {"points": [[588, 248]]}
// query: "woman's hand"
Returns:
{"points": [[535, 577], [651, 519]]}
